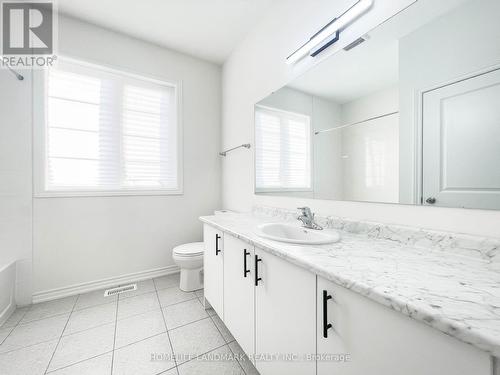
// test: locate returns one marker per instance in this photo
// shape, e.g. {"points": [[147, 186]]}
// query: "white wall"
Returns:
{"points": [[328, 168], [15, 179], [78, 240], [257, 68], [370, 150]]}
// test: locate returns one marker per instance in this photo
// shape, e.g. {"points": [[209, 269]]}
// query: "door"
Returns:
{"points": [[239, 292], [368, 338], [461, 143], [285, 317], [213, 268]]}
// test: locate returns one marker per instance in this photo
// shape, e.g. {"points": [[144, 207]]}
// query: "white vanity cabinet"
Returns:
{"points": [[239, 292], [213, 268], [285, 316], [297, 323], [381, 341]]}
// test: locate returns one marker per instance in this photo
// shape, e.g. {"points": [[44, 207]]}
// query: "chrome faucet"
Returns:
{"points": [[307, 219]]}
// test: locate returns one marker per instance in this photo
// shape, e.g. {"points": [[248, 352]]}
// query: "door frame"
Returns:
{"points": [[419, 121]]}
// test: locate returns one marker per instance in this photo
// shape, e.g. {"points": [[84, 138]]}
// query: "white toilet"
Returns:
{"points": [[189, 258]]}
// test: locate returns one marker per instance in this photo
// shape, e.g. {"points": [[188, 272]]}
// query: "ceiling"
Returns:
{"points": [[368, 68], [208, 29]]}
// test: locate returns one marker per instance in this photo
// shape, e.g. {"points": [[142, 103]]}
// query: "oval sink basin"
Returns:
{"points": [[295, 234]]}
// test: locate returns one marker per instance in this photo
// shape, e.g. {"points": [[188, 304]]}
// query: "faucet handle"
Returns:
{"points": [[306, 211]]}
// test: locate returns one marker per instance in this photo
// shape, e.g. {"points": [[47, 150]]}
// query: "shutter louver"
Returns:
{"points": [[283, 151], [108, 131]]}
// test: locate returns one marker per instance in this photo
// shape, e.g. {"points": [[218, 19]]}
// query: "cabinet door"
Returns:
{"points": [[285, 317], [380, 341], [239, 291], [213, 268]]}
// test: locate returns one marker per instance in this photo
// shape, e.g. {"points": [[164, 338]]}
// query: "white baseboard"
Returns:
{"points": [[7, 312], [75, 289]]}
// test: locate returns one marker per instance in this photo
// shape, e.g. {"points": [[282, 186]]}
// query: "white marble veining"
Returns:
{"points": [[417, 275], [482, 247]]}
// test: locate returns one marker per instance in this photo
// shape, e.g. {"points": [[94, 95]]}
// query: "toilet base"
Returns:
{"points": [[191, 279]]}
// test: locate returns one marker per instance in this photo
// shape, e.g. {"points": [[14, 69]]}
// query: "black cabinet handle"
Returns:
{"points": [[245, 271], [257, 278], [217, 251], [326, 325]]}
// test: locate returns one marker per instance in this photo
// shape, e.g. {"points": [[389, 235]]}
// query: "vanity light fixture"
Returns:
{"points": [[329, 34]]}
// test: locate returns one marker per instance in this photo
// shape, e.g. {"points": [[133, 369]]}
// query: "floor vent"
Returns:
{"points": [[120, 289]]}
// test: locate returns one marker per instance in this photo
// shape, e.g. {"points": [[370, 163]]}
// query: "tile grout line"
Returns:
{"points": [[101, 354], [114, 337], [14, 327], [166, 327], [227, 343], [60, 337], [202, 354], [96, 305], [78, 362], [104, 324], [40, 319], [28, 346], [8, 334], [194, 321], [148, 311], [73, 310]]}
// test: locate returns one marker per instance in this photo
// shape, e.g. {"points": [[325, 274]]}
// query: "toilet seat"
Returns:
{"points": [[188, 250]]}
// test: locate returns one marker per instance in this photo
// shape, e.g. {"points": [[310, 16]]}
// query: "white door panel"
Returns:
{"points": [[366, 337], [461, 143], [285, 317]]}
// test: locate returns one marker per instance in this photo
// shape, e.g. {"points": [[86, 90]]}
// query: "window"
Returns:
{"points": [[108, 131], [283, 150]]}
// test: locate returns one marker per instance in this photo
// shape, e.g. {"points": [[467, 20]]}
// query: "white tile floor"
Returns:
{"points": [[92, 334]]}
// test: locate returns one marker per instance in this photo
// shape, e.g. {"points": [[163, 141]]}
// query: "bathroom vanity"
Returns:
{"points": [[382, 300], [402, 113]]}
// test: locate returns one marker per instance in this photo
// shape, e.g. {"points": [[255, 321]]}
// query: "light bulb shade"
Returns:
{"points": [[323, 38]]}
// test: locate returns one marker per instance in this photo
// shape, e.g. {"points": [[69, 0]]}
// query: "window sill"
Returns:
{"points": [[123, 193], [283, 190]]}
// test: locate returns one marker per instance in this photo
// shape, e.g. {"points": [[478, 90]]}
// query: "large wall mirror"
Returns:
{"points": [[408, 114]]}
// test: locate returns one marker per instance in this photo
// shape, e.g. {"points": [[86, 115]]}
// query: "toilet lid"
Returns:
{"points": [[189, 249]]}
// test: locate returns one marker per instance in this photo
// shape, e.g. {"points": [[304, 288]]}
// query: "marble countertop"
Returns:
{"points": [[456, 294]]}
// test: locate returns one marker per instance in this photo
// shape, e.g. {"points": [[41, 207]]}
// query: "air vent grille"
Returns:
{"points": [[356, 43], [120, 289]]}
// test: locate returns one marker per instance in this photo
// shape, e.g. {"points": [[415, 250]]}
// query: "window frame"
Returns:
{"points": [[40, 189], [270, 190]]}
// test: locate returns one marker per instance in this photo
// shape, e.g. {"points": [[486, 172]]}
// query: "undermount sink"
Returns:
{"points": [[290, 233]]}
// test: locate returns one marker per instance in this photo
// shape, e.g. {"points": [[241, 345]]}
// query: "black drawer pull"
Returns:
{"points": [[257, 278], [326, 325], [245, 254], [217, 251]]}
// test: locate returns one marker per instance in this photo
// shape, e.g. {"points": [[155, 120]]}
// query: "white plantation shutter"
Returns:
{"points": [[109, 131], [283, 150]]}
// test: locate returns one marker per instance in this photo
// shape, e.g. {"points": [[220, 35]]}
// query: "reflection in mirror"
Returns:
{"points": [[408, 114]]}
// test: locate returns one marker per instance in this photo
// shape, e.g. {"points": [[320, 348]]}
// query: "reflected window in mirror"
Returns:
{"points": [[283, 150]]}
